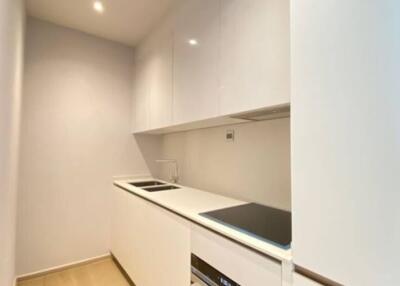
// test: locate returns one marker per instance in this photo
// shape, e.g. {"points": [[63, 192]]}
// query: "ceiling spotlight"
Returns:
{"points": [[193, 42], [98, 7]]}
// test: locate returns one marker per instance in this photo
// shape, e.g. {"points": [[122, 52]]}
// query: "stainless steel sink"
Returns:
{"points": [[160, 188], [147, 184]]}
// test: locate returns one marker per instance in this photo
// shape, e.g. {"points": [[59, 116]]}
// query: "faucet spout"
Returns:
{"points": [[174, 176]]}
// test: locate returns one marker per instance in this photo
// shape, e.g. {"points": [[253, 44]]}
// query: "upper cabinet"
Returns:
{"points": [[196, 58], [210, 59], [141, 91], [161, 78], [153, 80], [255, 54]]}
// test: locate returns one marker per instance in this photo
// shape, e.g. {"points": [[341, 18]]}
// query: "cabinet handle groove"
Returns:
{"points": [[315, 277]]}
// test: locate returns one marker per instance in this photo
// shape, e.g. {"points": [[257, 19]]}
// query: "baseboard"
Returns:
{"points": [[61, 267]]}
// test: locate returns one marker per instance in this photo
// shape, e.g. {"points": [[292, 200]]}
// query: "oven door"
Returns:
{"points": [[203, 274], [200, 280]]}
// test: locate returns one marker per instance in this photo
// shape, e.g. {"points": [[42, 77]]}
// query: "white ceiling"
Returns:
{"points": [[124, 21]]}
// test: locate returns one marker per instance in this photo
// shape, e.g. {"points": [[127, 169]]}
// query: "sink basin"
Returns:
{"points": [[147, 184], [160, 188]]}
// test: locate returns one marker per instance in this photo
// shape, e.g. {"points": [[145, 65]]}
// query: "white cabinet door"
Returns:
{"points": [[152, 244], [196, 58], [121, 232], [141, 95], [153, 80], [255, 54], [345, 139], [299, 280], [161, 77]]}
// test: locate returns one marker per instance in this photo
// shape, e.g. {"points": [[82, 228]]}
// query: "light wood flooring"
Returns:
{"points": [[100, 273]]}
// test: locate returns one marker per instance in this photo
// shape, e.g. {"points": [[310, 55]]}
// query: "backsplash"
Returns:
{"points": [[255, 166]]}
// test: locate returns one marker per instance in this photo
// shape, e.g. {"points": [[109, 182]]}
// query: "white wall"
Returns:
{"points": [[75, 137], [255, 167], [11, 52]]}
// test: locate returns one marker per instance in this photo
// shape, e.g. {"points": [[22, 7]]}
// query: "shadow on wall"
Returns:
{"points": [[150, 147]]}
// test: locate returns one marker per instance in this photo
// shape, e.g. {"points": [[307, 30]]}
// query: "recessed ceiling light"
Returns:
{"points": [[98, 6], [193, 42]]}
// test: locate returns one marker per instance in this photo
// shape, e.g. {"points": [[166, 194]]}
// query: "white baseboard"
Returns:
{"points": [[61, 267]]}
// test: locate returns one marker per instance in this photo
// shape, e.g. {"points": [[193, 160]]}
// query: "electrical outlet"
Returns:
{"points": [[230, 135]]}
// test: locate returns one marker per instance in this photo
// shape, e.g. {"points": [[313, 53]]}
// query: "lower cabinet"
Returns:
{"points": [[151, 244], [154, 246]]}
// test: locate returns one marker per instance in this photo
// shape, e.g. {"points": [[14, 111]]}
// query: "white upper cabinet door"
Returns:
{"points": [[255, 54], [196, 58], [161, 77], [141, 95]]}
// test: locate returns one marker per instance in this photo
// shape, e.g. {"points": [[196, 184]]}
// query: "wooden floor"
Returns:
{"points": [[100, 273]]}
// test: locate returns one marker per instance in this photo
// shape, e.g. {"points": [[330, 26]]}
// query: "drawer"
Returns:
{"points": [[240, 264]]}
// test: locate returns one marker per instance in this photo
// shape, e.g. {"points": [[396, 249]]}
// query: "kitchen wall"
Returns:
{"points": [[75, 137], [11, 54], [255, 167]]}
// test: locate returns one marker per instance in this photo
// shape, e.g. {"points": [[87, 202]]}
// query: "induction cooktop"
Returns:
{"points": [[265, 223]]}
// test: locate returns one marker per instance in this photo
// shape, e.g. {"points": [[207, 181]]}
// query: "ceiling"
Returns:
{"points": [[124, 21]]}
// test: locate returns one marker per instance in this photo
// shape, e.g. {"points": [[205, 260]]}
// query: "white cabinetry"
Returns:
{"points": [[213, 58], [345, 139], [196, 58], [152, 244], [255, 54]]}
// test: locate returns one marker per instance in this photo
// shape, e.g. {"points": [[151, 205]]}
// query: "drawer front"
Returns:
{"points": [[237, 262]]}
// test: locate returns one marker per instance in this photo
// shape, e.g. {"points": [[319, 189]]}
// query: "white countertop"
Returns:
{"points": [[189, 203]]}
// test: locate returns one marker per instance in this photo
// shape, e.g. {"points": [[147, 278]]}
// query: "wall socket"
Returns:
{"points": [[230, 135]]}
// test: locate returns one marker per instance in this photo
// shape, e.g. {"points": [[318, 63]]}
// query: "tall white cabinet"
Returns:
{"points": [[255, 54], [346, 139]]}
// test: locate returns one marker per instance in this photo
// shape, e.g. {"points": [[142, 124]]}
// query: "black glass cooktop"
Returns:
{"points": [[266, 223]]}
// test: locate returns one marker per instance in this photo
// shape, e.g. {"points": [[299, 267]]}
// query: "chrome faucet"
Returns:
{"points": [[174, 176]]}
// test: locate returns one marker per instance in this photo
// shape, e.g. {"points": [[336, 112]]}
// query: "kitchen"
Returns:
{"points": [[199, 142]]}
